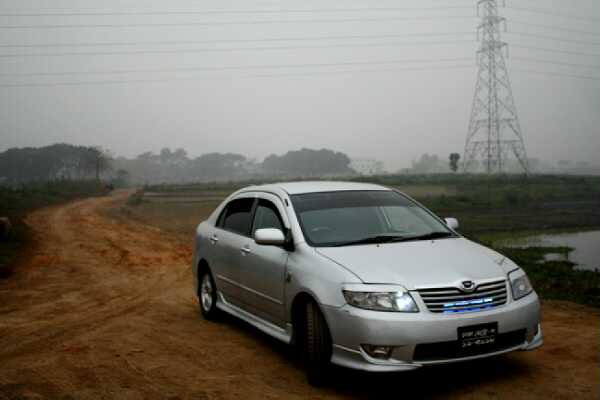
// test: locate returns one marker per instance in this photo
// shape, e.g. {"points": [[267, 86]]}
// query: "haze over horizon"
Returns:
{"points": [[212, 93]]}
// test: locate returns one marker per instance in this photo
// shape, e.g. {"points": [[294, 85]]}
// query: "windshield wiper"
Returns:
{"points": [[371, 240], [427, 236]]}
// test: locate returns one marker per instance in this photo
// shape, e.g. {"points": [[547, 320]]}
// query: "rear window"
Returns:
{"points": [[237, 216]]}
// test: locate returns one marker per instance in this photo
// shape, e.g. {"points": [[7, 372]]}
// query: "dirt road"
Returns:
{"points": [[104, 309]]}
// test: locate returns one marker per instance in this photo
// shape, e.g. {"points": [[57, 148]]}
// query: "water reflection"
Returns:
{"points": [[586, 245]]}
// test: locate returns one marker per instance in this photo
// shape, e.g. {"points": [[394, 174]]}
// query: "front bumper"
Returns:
{"points": [[350, 327]]}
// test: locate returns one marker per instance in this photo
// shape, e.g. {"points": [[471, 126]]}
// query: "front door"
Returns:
{"points": [[263, 267]]}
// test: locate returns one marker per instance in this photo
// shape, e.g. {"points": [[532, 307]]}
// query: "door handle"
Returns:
{"points": [[245, 250], [214, 239]]}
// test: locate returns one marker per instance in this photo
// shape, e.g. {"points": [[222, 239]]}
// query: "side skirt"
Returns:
{"points": [[285, 335]]}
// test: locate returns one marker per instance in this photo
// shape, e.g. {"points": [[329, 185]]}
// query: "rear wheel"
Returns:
{"points": [[207, 296], [317, 346]]}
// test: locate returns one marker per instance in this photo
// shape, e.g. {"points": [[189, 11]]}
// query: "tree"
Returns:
{"points": [[121, 177], [218, 166], [308, 163], [454, 157], [165, 155], [57, 161], [426, 164], [101, 160], [147, 157], [179, 156]]}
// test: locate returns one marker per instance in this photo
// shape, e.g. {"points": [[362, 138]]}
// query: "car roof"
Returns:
{"points": [[316, 186]]}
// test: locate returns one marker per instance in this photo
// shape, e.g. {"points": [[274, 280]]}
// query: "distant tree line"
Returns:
{"points": [[175, 166], [308, 163], [55, 162], [68, 162]]}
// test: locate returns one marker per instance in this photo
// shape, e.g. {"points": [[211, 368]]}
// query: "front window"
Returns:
{"points": [[266, 216], [361, 217]]}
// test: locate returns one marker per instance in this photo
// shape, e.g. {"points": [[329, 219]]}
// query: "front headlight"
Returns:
{"points": [[519, 284], [398, 300]]}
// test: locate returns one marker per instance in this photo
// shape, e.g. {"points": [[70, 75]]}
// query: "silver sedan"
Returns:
{"points": [[361, 276]]}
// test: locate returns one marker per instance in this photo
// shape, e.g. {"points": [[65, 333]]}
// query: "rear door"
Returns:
{"points": [[230, 236], [263, 267]]}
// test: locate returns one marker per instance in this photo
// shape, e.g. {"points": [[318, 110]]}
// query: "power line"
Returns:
{"points": [[259, 22], [555, 14], [557, 74], [555, 28], [209, 12], [229, 50], [272, 39], [280, 39], [537, 60], [213, 12], [276, 11], [579, 53], [236, 67], [314, 73], [554, 38], [282, 75], [266, 48]]}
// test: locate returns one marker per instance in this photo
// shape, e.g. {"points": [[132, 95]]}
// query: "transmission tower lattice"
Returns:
{"points": [[494, 130]]}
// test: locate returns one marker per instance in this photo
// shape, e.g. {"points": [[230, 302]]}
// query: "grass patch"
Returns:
{"points": [[484, 204], [556, 280], [17, 202]]}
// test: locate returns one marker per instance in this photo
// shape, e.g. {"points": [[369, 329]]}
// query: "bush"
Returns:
{"points": [[136, 198], [557, 280]]}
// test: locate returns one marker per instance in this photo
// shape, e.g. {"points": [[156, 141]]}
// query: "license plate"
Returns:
{"points": [[477, 336]]}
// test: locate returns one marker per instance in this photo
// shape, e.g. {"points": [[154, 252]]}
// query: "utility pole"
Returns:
{"points": [[494, 130]]}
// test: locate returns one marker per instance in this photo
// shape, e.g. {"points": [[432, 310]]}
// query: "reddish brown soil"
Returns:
{"points": [[104, 309]]}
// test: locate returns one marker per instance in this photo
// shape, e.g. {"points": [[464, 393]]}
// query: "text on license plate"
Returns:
{"points": [[477, 335]]}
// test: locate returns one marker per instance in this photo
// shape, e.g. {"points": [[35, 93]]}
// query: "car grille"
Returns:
{"points": [[453, 300], [451, 350]]}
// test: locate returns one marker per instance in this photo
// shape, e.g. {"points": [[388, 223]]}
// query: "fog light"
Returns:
{"points": [[379, 352]]}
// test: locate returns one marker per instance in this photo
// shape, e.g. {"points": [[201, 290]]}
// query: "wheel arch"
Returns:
{"points": [[297, 315]]}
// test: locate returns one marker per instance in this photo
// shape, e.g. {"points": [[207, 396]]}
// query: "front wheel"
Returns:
{"points": [[317, 346], [207, 296]]}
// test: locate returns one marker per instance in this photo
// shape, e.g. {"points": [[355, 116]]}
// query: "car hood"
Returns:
{"points": [[418, 264]]}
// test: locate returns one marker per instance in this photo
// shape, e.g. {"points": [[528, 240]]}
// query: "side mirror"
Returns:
{"points": [[269, 237], [452, 223]]}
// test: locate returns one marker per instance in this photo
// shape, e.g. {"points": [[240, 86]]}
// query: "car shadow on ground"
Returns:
{"points": [[443, 380], [430, 382]]}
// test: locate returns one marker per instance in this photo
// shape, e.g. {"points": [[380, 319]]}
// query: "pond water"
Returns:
{"points": [[586, 245]]}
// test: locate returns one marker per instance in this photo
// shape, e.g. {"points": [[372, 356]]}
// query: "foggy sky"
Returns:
{"points": [[392, 115]]}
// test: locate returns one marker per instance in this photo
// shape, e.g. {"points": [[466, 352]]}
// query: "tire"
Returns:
{"points": [[207, 296], [317, 346]]}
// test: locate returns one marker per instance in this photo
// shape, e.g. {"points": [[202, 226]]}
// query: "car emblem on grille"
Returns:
{"points": [[468, 286]]}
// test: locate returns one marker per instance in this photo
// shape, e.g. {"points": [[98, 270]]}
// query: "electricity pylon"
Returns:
{"points": [[494, 130]]}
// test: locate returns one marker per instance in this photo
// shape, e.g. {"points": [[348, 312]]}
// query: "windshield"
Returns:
{"points": [[360, 217]]}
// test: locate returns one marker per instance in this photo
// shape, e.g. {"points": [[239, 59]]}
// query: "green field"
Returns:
{"points": [[488, 209]]}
